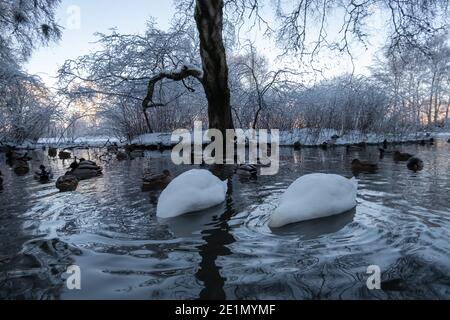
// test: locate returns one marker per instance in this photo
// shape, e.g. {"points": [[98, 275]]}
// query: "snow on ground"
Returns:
{"points": [[442, 135], [306, 137], [90, 141], [314, 137], [149, 139]]}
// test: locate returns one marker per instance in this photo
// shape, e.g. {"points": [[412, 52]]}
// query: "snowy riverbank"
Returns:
{"points": [[303, 137]]}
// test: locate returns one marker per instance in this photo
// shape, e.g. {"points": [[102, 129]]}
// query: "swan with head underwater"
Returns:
{"points": [[315, 196], [192, 191]]}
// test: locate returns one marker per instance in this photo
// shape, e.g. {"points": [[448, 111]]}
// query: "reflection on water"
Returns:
{"points": [[318, 227], [109, 228]]}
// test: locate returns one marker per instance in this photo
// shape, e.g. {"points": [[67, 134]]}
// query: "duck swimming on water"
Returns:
{"points": [[52, 152], [415, 164], [64, 155], [362, 166], [398, 156], [86, 169], [74, 164], [248, 170], [67, 182], [43, 175], [21, 168], [159, 181]]}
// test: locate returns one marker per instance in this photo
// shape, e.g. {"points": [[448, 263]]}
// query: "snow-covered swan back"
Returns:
{"points": [[192, 191], [315, 196]]}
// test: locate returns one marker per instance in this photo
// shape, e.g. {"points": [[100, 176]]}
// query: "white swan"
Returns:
{"points": [[315, 196], [194, 190]]}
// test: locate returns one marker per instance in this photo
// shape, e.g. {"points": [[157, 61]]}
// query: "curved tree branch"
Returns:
{"points": [[180, 74], [177, 75]]}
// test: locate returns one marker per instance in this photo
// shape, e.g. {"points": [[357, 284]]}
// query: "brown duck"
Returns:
{"points": [[151, 182], [121, 156], [86, 169], [21, 168], [63, 155], [52, 152], [358, 165], [398, 156], [415, 164], [67, 183]]}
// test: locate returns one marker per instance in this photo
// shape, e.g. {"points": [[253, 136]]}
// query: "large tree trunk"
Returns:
{"points": [[209, 19]]}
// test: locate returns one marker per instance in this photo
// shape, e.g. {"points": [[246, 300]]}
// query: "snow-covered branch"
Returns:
{"points": [[179, 74]]}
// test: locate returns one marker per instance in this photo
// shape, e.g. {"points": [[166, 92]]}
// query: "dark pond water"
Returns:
{"points": [[109, 229]]}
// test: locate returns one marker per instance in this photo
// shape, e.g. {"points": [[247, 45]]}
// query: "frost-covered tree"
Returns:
{"points": [[116, 79], [417, 80], [410, 22], [26, 24], [26, 108], [25, 104], [254, 85]]}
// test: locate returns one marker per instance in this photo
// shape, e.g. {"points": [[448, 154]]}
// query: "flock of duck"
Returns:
{"points": [[310, 197], [412, 162], [81, 169]]}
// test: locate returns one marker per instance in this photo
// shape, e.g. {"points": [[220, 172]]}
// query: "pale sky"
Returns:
{"points": [[130, 16], [96, 16]]}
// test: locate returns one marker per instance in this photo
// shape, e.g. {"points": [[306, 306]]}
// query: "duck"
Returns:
{"points": [[21, 167], [74, 164], [159, 181], [358, 165], [52, 152], [385, 144], [90, 162], [67, 182], [314, 196], [297, 145], [384, 151], [86, 169], [398, 156], [192, 191], [425, 142], [248, 170], [121, 156], [13, 155], [64, 155], [415, 164], [324, 146], [43, 175]]}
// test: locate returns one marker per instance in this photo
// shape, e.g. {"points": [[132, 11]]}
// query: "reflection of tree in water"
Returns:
{"points": [[216, 240]]}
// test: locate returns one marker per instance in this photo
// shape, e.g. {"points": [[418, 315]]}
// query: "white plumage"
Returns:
{"points": [[315, 196], [194, 190]]}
